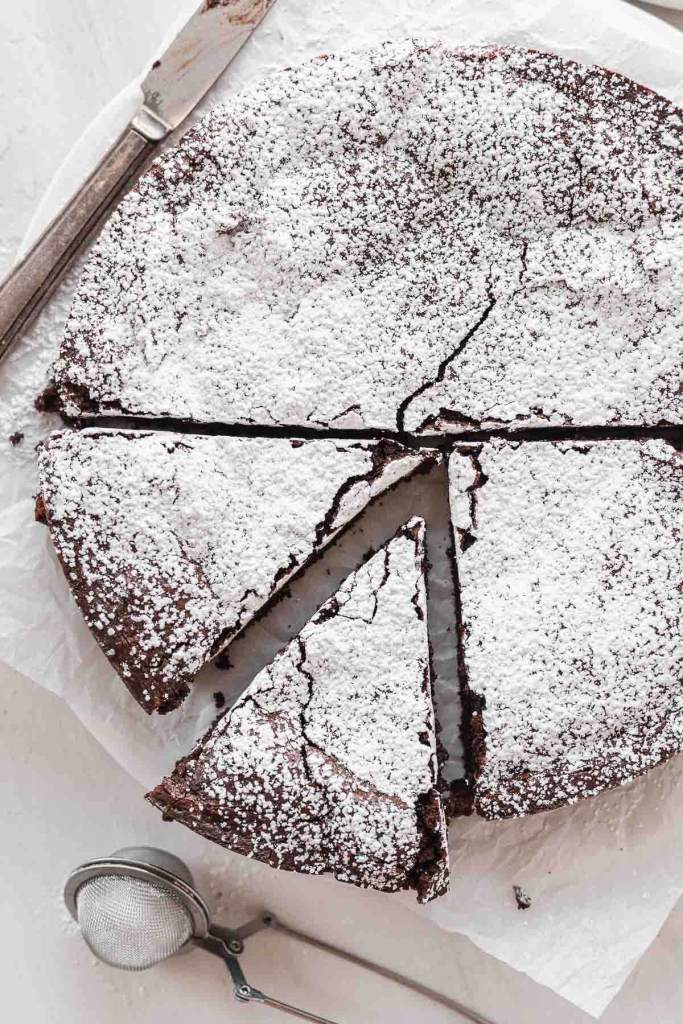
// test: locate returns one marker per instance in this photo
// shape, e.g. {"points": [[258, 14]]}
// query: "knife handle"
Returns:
{"points": [[29, 285]]}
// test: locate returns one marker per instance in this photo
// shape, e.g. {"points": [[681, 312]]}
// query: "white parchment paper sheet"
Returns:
{"points": [[603, 875]]}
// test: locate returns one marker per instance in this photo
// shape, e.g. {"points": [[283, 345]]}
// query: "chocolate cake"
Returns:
{"points": [[409, 238], [569, 574], [172, 543], [328, 762]]}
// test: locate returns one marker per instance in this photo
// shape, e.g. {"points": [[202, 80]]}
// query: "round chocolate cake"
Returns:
{"points": [[354, 257]]}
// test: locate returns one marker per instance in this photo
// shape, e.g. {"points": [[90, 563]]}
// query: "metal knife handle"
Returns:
{"points": [[29, 285]]}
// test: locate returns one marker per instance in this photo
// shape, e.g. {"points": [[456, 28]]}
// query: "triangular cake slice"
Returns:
{"points": [[569, 574], [328, 762], [172, 543]]}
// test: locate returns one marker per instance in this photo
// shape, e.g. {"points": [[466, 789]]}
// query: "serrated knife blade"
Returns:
{"points": [[177, 81], [197, 56]]}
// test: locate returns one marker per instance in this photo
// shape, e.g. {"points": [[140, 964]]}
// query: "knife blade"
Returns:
{"points": [[176, 83], [197, 56]]}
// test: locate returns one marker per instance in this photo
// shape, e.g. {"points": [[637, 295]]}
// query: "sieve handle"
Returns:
{"points": [[462, 1011], [218, 942], [293, 1011]]}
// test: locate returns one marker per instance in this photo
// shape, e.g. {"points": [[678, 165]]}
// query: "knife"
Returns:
{"points": [[178, 80]]}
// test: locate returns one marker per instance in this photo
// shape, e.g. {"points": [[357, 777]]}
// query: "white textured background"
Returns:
{"points": [[65, 800]]}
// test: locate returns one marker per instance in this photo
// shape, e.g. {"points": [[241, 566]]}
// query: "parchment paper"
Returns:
{"points": [[603, 875]]}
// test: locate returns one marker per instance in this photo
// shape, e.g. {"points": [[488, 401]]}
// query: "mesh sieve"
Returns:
{"points": [[130, 922], [139, 907]]}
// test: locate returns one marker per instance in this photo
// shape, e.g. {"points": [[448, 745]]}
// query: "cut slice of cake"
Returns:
{"points": [[172, 543], [411, 238], [328, 762], [569, 575]]}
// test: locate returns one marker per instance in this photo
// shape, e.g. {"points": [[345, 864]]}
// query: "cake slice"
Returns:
{"points": [[412, 238], [172, 543], [569, 574], [328, 762]]}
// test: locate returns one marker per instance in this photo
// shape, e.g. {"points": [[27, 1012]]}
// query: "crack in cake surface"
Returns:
{"points": [[441, 371]]}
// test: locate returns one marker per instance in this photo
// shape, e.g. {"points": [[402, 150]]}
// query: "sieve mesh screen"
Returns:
{"points": [[131, 923]]}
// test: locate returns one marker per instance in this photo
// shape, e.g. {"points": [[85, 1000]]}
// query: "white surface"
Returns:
{"points": [[48, 813]]}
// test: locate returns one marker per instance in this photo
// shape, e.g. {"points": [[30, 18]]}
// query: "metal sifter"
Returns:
{"points": [[139, 907]]}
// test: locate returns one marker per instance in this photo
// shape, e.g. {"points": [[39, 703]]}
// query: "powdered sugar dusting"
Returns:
{"points": [[570, 572], [171, 543], [409, 237], [328, 761]]}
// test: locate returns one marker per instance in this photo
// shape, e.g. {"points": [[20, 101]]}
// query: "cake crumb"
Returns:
{"points": [[460, 799], [219, 700], [40, 512], [48, 399], [16, 438], [522, 899]]}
